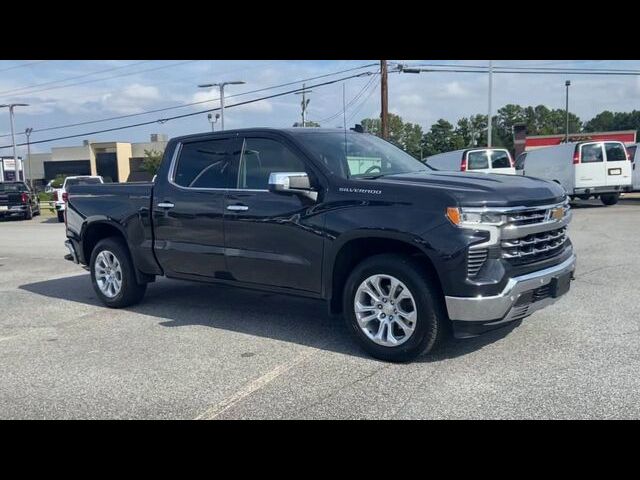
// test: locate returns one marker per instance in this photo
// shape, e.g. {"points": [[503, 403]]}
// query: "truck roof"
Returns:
{"points": [[292, 131]]}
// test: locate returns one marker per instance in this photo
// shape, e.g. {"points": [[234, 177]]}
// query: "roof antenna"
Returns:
{"points": [[344, 120]]}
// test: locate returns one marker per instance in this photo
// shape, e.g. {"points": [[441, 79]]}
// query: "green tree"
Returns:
{"points": [[407, 136], [442, 137], [152, 160], [472, 130]]}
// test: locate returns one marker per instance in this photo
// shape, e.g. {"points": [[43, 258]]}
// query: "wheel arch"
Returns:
{"points": [[354, 248]]}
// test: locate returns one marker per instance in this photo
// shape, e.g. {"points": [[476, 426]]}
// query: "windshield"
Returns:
{"points": [[13, 187], [362, 156], [82, 181]]}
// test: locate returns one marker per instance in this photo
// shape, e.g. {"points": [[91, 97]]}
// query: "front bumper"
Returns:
{"points": [[516, 301]]}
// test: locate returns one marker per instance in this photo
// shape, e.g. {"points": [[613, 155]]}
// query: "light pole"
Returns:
{"points": [[11, 106], [566, 137], [490, 107], [213, 120], [221, 86], [27, 132]]}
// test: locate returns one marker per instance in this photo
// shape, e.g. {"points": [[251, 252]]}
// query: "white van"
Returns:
{"points": [[634, 156], [584, 169], [476, 160]]}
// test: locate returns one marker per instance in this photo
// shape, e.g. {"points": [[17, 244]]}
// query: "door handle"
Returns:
{"points": [[165, 205], [237, 208]]}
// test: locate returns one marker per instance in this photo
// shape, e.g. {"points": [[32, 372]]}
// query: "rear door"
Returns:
{"points": [[618, 168], [591, 171], [501, 162], [272, 238], [188, 208], [478, 161]]}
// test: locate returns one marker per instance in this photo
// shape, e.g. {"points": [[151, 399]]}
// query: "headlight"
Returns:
{"points": [[470, 217]]}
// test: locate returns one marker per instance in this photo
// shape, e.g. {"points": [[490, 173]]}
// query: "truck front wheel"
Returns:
{"points": [[113, 275], [392, 308], [610, 198]]}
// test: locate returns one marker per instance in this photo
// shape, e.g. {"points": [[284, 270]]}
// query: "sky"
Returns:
{"points": [[68, 92]]}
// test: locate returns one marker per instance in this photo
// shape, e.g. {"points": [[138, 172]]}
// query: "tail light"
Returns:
{"points": [[576, 155], [65, 197], [463, 163], [24, 198]]}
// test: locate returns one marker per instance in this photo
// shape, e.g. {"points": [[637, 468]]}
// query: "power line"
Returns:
{"points": [[105, 78], [157, 110], [350, 102], [200, 112], [29, 87], [363, 103], [23, 65], [528, 68]]}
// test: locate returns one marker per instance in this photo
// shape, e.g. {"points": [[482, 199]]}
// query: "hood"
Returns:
{"points": [[483, 189]]}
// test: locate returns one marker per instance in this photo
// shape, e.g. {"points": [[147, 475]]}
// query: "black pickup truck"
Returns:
{"points": [[18, 200], [403, 252]]}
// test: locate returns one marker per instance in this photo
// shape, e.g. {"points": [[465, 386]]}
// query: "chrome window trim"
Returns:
{"points": [[172, 171]]}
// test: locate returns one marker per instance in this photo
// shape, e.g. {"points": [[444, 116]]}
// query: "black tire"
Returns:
{"points": [[29, 213], [131, 291], [431, 317], [610, 198], [37, 212], [60, 216], [584, 197]]}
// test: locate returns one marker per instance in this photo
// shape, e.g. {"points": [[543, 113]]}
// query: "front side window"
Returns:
{"points": [[591, 153], [615, 152], [262, 157], [206, 164], [477, 160]]}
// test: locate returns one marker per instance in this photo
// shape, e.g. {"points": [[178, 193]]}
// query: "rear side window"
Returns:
{"points": [[477, 160], [263, 156], [500, 159], [615, 152], [632, 152], [520, 161], [206, 164], [591, 153]]}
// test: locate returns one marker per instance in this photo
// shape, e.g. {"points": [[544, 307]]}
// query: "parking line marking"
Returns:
{"points": [[215, 410]]}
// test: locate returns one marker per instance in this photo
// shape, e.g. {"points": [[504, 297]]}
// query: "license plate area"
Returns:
{"points": [[615, 171], [560, 285], [3, 208]]}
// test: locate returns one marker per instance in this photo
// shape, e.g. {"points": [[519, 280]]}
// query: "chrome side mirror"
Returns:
{"points": [[292, 182]]}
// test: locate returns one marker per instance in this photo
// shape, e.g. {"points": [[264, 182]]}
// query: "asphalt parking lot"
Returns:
{"points": [[199, 351]]}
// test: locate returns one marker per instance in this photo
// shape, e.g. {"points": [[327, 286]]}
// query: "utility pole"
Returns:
{"points": [[27, 132], [304, 103], [11, 106], [490, 107], [384, 114], [566, 135]]}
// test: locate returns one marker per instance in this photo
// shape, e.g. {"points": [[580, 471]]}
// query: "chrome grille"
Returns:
{"points": [[475, 261], [527, 217], [534, 247]]}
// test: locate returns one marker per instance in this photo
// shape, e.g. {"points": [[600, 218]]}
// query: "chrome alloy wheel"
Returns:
{"points": [[385, 310], [108, 273]]}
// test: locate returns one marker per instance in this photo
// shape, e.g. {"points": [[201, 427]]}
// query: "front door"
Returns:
{"points": [[189, 208], [618, 168], [272, 238], [590, 172]]}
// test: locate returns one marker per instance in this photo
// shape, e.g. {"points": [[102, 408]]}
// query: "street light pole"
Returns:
{"points": [[566, 137], [11, 106], [27, 132], [221, 87], [490, 106]]}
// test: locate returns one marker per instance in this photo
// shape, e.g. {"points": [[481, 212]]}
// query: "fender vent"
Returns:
{"points": [[475, 261]]}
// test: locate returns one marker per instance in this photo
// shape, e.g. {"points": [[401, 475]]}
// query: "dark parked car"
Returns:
{"points": [[401, 251], [18, 200]]}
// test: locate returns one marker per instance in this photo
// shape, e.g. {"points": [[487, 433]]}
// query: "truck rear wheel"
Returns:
{"points": [[393, 308], [610, 198], [113, 275]]}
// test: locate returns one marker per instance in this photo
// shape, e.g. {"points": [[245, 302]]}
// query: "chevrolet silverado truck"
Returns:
{"points": [[404, 253], [18, 200]]}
